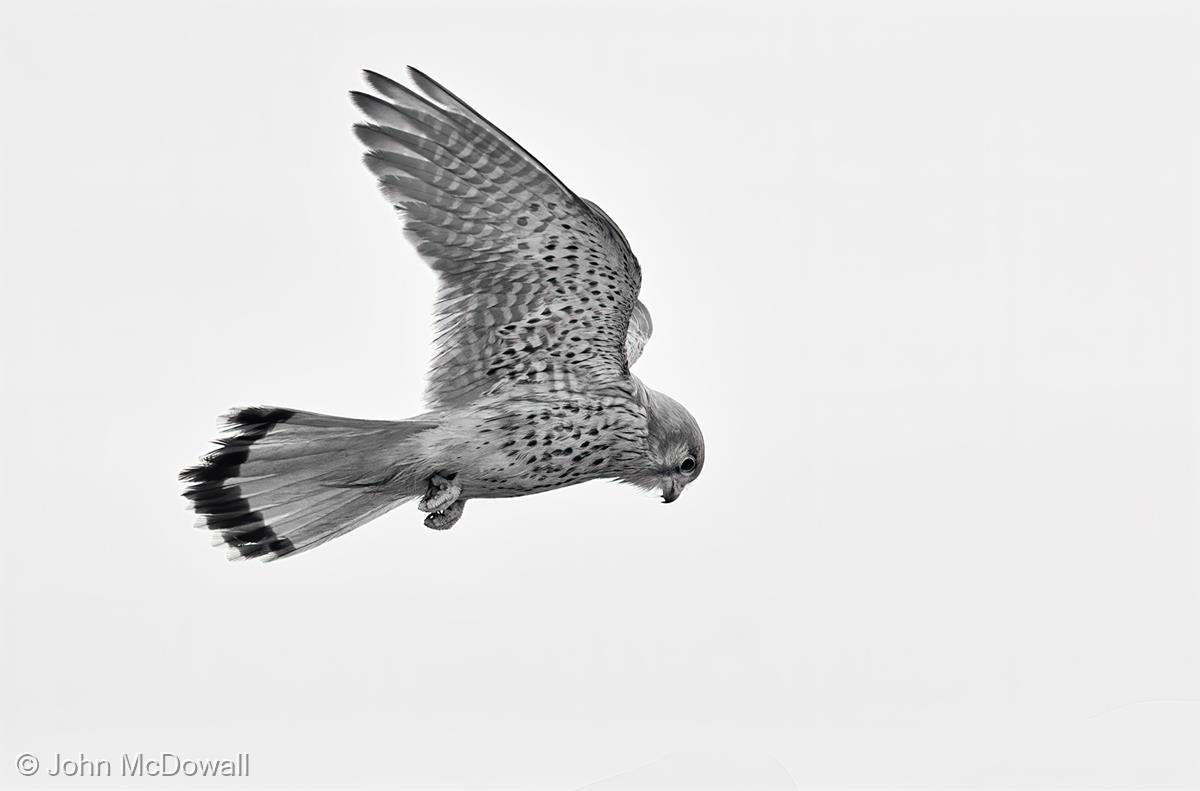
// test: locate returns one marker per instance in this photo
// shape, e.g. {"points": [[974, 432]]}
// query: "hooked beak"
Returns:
{"points": [[671, 492]]}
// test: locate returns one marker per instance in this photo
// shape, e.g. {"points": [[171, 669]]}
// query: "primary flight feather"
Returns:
{"points": [[537, 323]]}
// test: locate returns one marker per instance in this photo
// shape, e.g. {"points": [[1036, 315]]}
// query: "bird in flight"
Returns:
{"points": [[537, 323]]}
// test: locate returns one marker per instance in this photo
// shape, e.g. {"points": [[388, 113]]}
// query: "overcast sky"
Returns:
{"points": [[924, 272]]}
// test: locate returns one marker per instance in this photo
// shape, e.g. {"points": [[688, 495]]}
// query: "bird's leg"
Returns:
{"points": [[443, 491], [444, 520]]}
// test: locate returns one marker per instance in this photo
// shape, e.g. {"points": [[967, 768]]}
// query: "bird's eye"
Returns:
{"points": [[688, 464]]}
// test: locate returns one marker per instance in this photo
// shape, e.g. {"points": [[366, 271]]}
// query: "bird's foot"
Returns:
{"points": [[443, 491], [445, 519]]}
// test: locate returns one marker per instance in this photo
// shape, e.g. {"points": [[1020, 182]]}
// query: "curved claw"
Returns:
{"points": [[444, 520], [443, 491]]}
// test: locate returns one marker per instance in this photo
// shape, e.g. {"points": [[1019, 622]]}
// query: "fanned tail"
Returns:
{"points": [[286, 481]]}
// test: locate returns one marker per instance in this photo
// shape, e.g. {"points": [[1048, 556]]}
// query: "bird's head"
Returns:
{"points": [[675, 448]]}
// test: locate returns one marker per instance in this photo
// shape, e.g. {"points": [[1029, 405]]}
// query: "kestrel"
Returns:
{"points": [[537, 323]]}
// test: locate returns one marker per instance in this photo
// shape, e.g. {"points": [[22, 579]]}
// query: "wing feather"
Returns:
{"points": [[640, 329], [536, 285], [440, 93]]}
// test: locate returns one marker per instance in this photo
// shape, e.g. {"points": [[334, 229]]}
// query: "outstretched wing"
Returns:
{"points": [[536, 285]]}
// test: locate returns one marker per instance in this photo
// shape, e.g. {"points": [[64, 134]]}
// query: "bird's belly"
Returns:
{"points": [[529, 447], [508, 473]]}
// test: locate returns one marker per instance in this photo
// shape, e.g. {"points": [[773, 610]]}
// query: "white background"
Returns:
{"points": [[924, 272]]}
